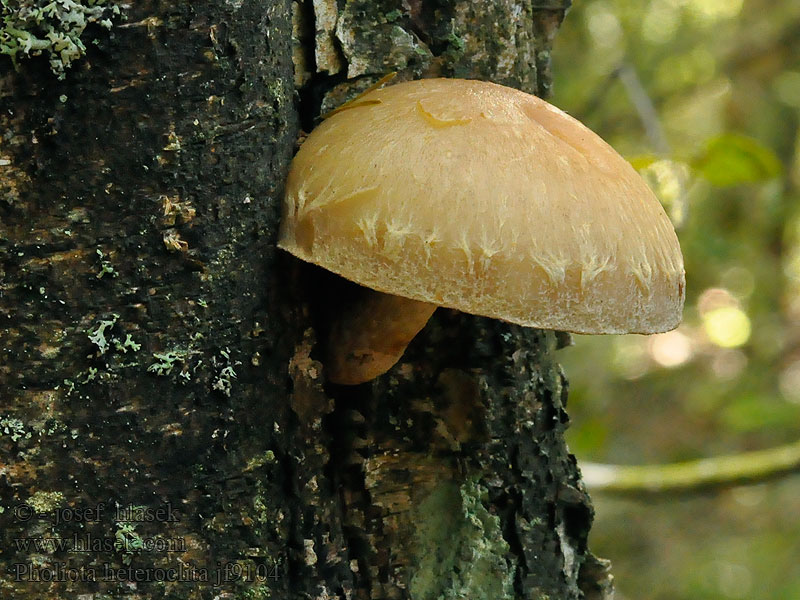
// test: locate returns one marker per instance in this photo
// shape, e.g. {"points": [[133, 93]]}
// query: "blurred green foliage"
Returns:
{"points": [[703, 96], [733, 159]]}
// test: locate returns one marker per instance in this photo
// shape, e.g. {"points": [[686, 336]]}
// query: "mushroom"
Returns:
{"points": [[482, 198]]}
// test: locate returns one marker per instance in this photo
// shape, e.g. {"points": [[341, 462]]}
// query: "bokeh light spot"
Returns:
{"points": [[787, 88], [714, 298], [789, 382], [603, 24], [714, 10], [728, 364], [739, 280], [670, 349], [734, 580], [727, 327], [630, 357]]}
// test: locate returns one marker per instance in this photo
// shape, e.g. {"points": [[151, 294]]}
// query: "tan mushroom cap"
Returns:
{"points": [[485, 199]]}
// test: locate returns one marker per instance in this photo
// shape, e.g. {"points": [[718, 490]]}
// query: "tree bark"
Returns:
{"points": [[166, 429]]}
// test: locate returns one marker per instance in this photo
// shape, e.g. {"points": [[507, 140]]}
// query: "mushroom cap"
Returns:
{"points": [[483, 198]]}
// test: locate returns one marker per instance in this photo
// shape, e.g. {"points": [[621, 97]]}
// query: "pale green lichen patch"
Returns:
{"points": [[223, 382], [266, 458], [110, 342], [459, 548], [14, 428], [45, 502], [127, 344], [166, 362], [98, 335], [372, 43], [106, 268], [51, 27]]}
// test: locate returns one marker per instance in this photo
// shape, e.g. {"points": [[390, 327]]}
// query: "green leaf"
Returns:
{"points": [[642, 161], [755, 413], [733, 159]]}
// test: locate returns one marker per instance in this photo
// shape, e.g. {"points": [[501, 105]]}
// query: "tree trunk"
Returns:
{"points": [[166, 430]]}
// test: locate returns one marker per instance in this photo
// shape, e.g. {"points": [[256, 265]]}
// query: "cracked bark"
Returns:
{"points": [[158, 352]]}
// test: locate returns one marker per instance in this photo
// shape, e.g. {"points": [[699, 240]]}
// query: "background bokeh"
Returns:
{"points": [[703, 96]]}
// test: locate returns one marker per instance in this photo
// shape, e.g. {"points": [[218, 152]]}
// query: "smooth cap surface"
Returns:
{"points": [[479, 197]]}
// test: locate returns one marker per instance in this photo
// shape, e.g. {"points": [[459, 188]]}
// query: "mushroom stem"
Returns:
{"points": [[372, 336]]}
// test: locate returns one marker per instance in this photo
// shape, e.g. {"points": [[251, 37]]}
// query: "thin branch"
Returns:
{"points": [[645, 108], [693, 475], [651, 122]]}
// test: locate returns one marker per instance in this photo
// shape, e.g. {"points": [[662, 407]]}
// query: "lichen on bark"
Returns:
{"points": [[54, 28], [473, 402], [459, 547], [158, 349], [143, 353]]}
